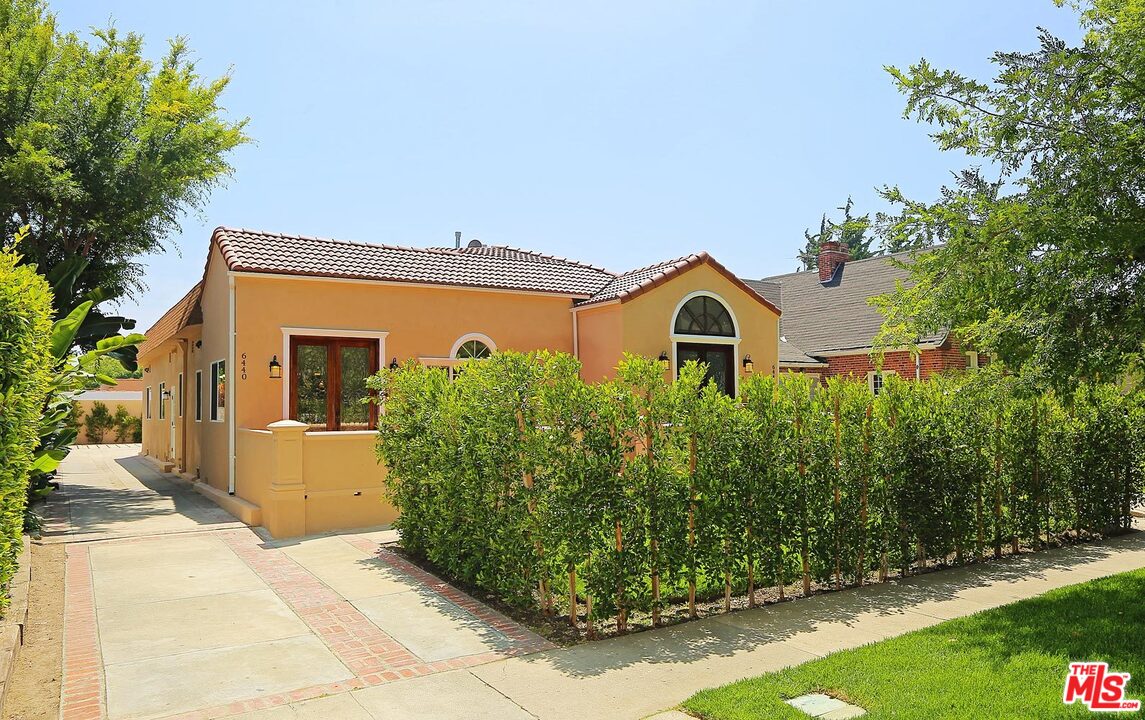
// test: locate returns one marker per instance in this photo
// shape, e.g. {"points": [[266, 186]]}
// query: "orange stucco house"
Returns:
{"points": [[252, 380]]}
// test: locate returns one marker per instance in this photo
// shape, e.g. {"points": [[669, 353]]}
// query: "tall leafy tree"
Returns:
{"points": [[851, 231], [101, 150], [1043, 261]]}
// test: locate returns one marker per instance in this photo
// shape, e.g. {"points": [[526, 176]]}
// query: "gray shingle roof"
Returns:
{"points": [[487, 267], [836, 317], [792, 354]]}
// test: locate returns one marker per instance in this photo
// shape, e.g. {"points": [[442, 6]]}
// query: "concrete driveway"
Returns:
{"points": [[174, 610]]}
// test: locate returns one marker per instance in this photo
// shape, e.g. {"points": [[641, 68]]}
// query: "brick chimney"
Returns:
{"points": [[832, 254]]}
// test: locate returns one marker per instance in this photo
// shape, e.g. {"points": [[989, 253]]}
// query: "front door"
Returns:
{"points": [[719, 358]]}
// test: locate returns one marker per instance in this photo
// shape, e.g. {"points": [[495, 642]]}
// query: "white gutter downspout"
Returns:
{"points": [[576, 337], [233, 385], [918, 365], [185, 351]]}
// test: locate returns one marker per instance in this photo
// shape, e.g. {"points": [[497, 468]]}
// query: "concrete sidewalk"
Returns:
{"points": [[647, 673], [637, 676], [174, 611]]}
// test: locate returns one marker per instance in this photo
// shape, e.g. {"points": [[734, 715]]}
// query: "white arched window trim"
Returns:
{"points": [[488, 341], [706, 339]]}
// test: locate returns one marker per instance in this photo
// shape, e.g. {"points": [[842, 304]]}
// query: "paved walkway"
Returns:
{"points": [[173, 610]]}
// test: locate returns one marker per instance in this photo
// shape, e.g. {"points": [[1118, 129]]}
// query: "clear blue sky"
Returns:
{"points": [[618, 133]]}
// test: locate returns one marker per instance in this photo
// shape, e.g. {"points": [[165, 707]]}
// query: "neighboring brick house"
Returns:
{"points": [[828, 328]]}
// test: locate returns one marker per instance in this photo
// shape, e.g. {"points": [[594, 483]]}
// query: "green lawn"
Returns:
{"points": [[1009, 662]]}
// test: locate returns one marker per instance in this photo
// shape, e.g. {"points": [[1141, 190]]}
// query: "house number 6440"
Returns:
{"points": [[243, 374]]}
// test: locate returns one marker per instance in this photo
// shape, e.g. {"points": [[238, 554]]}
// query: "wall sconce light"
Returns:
{"points": [[748, 365], [198, 343], [394, 364], [663, 359], [275, 368], [146, 369]]}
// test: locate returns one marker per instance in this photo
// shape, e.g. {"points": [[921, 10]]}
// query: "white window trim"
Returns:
{"points": [[147, 410], [162, 415], [179, 400], [871, 377], [222, 417], [488, 341], [289, 331], [198, 396], [972, 360], [734, 341]]}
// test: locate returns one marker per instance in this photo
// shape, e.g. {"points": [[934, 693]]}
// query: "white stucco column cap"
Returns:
{"points": [[287, 425]]}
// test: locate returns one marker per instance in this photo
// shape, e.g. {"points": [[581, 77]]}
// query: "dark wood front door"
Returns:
{"points": [[719, 358]]}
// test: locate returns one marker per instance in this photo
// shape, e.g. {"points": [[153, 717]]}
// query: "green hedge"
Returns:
{"points": [[25, 367], [521, 479]]}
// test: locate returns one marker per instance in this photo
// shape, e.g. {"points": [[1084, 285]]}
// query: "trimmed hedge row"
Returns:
{"points": [[521, 479], [25, 370]]}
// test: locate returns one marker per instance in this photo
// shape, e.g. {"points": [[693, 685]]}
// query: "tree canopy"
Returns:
{"points": [[1042, 262], [851, 231], [101, 150]]}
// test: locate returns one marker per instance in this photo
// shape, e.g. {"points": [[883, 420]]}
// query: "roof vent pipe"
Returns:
{"points": [[457, 240]]}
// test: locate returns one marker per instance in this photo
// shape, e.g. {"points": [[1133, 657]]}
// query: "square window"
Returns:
{"points": [[876, 380]]}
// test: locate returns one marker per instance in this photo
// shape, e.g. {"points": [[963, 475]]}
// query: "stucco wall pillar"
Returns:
{"points": [[285, 511]]}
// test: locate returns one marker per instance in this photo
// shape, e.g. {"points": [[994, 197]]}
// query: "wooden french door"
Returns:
{"points": [[719, 358], [328, 382]]}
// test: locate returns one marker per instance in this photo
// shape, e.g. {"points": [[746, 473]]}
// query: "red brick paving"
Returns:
{"points": [[372, 654], [522, 640], [82, 687]]}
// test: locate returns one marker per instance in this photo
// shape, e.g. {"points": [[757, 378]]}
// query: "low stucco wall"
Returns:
{"points": [[254, 454], [131, 400], [344, 482], [311, 482]]}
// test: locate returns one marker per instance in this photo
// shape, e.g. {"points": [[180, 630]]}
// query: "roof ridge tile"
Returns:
{"points": [[282, 253]]}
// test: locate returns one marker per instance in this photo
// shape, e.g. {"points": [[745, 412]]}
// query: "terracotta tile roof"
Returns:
{"points": [[183, 313], [485, 267], [636, 282], [624, 284], [511, 253], [835, 316]]}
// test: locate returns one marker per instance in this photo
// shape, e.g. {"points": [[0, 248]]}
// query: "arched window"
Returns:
{"points": [[473, 346], [472, 350], [704, 315]]}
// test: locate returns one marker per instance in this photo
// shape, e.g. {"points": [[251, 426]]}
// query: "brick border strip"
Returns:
{"points": [[81, 694], [522, 640], [368, 651], [262, 702], [373, 656]]}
